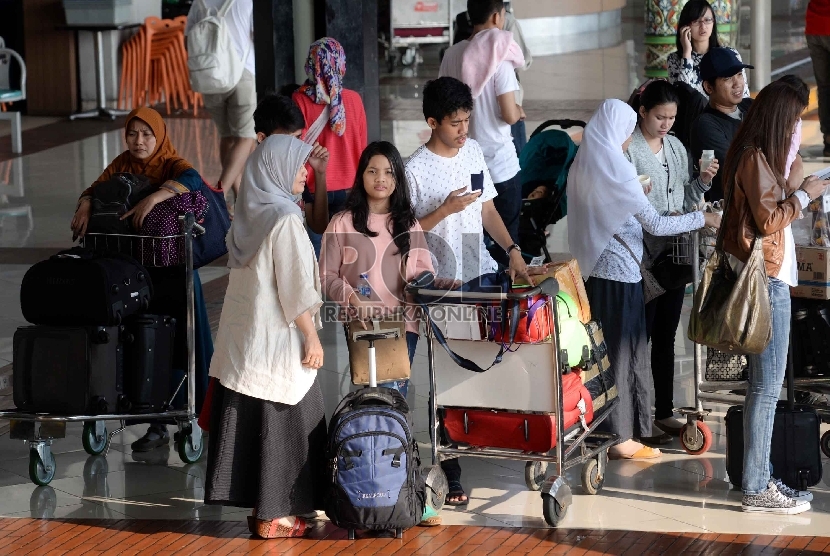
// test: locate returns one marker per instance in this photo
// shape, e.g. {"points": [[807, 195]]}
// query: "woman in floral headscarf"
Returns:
{"points": [[335, 118]]}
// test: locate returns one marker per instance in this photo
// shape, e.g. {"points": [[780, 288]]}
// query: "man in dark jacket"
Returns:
{"points": [[723, 80]]}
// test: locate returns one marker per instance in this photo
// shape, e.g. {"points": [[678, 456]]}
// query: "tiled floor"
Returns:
{"points": [[678, 493]]}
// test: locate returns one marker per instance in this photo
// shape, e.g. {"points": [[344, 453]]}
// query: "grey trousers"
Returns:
{"points": [[620, 308]]}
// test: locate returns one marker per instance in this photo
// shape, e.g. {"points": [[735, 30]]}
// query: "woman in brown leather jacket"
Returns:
{"points": [[765, 193]]}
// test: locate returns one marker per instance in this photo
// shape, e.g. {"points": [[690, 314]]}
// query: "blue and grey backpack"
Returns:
{"points": [[374, 465]]}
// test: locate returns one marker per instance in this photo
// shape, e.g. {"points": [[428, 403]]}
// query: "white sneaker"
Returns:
{"points": [[771, 501], [800, 495]]}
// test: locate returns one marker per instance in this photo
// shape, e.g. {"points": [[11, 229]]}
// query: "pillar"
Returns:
{"points": [[661, 18], [354, 24], [761, 43], [273, 44]]}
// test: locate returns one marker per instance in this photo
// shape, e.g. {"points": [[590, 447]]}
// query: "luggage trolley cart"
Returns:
{"points": [[696, 437], [694, 248], [543, 366], [41, 429], [414, 23]]}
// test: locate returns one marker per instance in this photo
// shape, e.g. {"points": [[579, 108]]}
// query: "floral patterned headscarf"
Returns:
{"points": [[325, 68]]}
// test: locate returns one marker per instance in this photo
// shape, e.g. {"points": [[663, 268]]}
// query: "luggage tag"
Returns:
{"points": [[537, 261]]}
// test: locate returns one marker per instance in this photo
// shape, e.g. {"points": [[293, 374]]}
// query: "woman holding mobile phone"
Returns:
{"points": [[697, 32]]}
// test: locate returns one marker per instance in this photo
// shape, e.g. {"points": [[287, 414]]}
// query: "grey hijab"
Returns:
{"points": [[265, 195]]}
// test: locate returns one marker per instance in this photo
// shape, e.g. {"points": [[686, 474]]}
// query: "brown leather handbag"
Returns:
{"points": [[732, 311]]}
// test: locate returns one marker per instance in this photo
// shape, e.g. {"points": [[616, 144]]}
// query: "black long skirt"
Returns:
{"points": [[266, 455], [620, 307]]}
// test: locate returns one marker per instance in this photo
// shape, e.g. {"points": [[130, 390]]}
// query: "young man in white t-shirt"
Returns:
{"points": [[495, 111], [452, 193]]}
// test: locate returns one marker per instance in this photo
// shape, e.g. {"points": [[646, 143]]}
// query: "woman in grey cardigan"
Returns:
{"points": [[663, 158]]}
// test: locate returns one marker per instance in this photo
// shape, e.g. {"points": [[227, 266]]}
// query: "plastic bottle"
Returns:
{"points": [[363, 288]]}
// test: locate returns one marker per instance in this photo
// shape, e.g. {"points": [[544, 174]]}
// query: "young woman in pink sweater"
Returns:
{"points": [[363, 246]]}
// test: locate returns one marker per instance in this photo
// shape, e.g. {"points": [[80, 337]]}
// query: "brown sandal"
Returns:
{"points": [[271, 529]]}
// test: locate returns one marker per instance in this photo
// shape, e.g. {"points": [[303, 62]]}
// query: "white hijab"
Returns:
{"points": [[603, 189], [265, 195]]}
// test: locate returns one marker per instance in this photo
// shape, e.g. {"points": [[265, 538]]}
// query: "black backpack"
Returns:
{"points": [[111, 199], [374, 465]]}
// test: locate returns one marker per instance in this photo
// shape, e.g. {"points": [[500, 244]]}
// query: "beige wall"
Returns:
{"points": [[525, 9]]}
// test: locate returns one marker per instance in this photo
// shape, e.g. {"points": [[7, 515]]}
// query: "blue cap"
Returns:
{"points": [[721, 62]]}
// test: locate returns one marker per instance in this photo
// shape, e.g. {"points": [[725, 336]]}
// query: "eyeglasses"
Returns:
{"points": [[705, 21]]}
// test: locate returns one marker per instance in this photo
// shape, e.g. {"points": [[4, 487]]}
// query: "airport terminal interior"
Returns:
{"points": [[591, 57]]}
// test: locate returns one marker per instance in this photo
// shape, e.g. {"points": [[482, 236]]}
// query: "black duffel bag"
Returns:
{"points": [[82, 287]]}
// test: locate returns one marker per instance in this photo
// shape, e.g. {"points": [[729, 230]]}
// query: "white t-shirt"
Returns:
{"points": [[486, 124], [457, 242], [240, 20]]}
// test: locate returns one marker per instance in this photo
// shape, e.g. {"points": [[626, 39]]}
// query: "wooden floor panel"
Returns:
{"points": [[127, 537]]}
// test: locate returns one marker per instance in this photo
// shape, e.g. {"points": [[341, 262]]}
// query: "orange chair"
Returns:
{"points": [[154, 67]]}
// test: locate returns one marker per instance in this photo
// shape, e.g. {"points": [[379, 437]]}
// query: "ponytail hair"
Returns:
{"points": [[654, 92]]}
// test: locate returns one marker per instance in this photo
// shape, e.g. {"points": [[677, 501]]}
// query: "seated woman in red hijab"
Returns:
{"points": [[151, 153]]}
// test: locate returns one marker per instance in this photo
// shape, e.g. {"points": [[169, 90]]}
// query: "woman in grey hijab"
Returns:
{"points": [[267, 427]]}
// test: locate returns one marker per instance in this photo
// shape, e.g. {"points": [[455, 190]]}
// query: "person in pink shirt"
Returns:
{"points": [[363, 246]]}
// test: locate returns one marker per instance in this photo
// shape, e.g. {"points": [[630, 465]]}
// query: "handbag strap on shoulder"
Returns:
{"points": [[630, 252]]}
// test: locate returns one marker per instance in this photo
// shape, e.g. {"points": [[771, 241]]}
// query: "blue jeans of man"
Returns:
{"points": [[508, 204], [519, 133], [766, 373]]}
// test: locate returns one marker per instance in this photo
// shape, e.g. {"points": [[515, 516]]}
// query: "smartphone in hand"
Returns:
{"points": [[477, 182]]}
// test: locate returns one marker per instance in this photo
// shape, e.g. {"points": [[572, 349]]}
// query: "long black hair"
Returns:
{"points": [[692, 11], [401, 213]]}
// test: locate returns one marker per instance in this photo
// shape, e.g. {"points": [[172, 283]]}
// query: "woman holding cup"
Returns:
{"points": [[662, 159], [607, 204]]}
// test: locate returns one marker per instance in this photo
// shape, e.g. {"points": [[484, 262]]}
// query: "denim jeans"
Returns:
{"points": [[519, 133], [337, 202], [766, 373], [508, 204]]}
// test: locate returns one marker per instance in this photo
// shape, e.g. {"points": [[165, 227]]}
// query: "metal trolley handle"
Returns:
{"points": [[417, 287]]}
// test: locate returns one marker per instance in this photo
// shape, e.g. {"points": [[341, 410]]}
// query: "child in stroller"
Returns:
{"points": [[545, 161]]}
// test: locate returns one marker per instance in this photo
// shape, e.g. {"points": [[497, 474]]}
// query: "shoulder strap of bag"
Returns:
{"points": [[630, 252], [318, 126], [462, 362], [225, 7]]}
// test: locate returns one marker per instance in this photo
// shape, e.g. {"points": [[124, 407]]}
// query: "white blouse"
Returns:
{"points": [[259, 349]]}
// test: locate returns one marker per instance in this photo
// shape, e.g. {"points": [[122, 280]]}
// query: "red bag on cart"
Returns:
{"points": [[529, 432], [534, 325]]}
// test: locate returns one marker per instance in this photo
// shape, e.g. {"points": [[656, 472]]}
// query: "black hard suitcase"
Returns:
{"points": [[81, 287], [68, 371], [811, 338], [795, 453], [148, 361]]}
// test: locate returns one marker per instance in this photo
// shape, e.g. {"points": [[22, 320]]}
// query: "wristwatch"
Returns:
{"points": [[512, 247]]}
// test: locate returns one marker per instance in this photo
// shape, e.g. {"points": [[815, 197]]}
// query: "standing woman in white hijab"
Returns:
{"points": [[267, 427], [607, 213]]}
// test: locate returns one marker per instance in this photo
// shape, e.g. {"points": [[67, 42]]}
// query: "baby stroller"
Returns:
{"points": [[545, 161]]}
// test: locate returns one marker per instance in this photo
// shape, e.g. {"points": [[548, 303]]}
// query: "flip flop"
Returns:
{"points": [[271, 529], [658, 439], [430, 518], [456, 491], [673, 431], [643, 453]]}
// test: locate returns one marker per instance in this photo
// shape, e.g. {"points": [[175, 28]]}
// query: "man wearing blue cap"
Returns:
{"points": [[723, 80]]}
